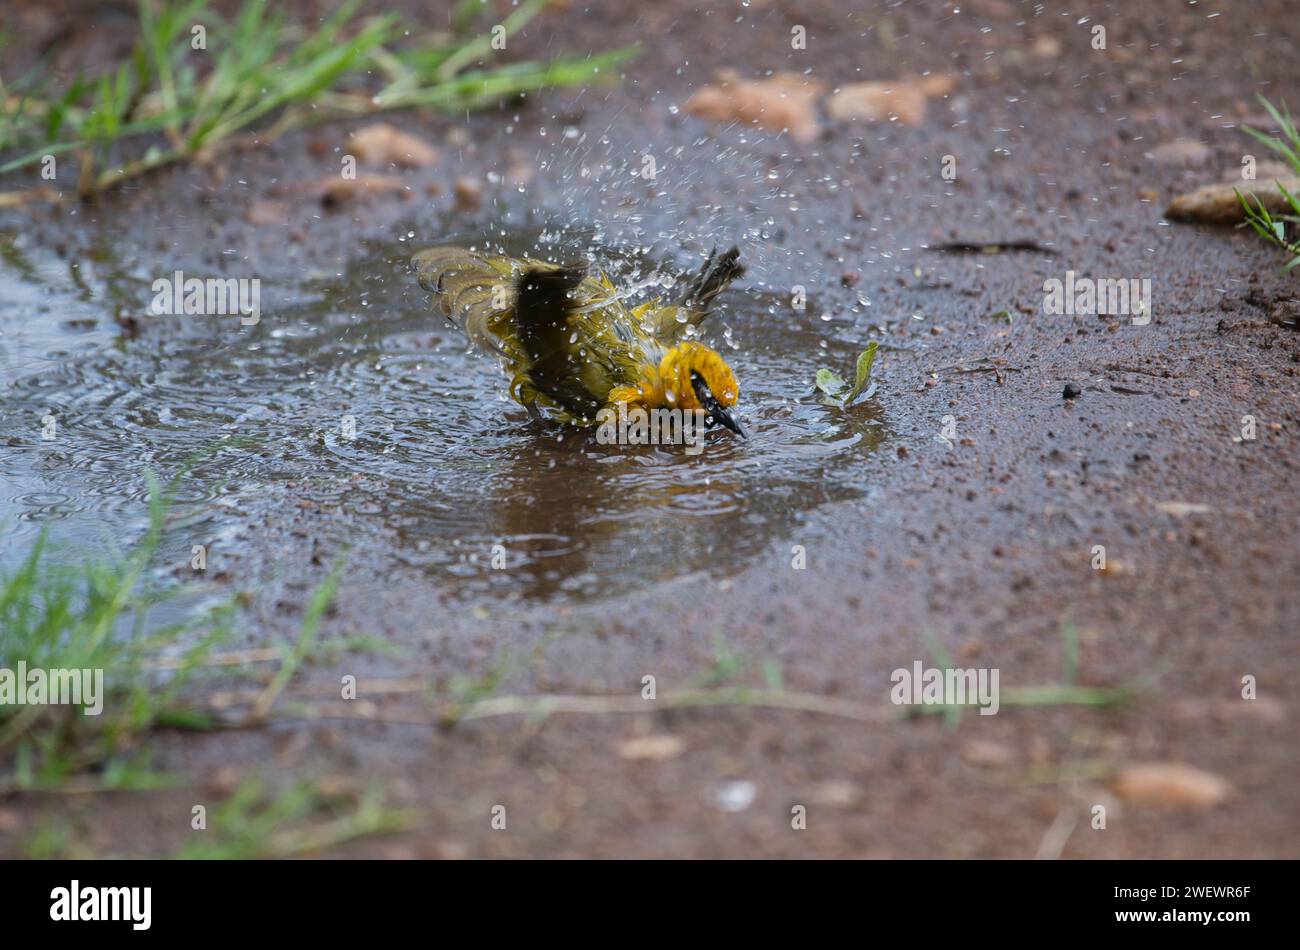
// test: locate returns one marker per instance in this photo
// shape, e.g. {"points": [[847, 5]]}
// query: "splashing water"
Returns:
{"points": [[358, 405]]}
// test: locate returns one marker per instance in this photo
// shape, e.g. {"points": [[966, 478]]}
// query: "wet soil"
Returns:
{"points": [[956, 512]]}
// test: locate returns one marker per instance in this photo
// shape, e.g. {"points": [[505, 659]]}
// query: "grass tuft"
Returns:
{"points": [[1066, 693], [1277, 229], [96, 616], [257, 823], [99, 615], [259, 73]]}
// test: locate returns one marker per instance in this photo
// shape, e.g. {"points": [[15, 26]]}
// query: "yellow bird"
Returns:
{"points": [[571, 344]]}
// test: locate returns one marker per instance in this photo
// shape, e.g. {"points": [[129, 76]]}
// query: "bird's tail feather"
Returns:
{"points": [[719, 270]]}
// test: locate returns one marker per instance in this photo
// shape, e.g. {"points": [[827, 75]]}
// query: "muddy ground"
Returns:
{"points": [[981, 545]]}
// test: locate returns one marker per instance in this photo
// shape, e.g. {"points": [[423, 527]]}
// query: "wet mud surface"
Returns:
{"points": [[954, 513]]}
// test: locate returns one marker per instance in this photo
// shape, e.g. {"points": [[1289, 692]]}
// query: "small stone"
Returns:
{"points": [[1218, 204], [986, 754], [1115, 568], [735, 796], [655, 748], [1170, 784], [1046, 47], [224, 780], [1071, 391], [469, 194]]}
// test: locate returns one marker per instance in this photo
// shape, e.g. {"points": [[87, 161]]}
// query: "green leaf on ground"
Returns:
{"points": [[832, 384]]}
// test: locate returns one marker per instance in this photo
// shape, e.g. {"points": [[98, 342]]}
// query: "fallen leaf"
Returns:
{"points": [[784, 102], [384, 144], [862, 372], [651, 748], [1218, 204], [1171, 784], [877, 101]]}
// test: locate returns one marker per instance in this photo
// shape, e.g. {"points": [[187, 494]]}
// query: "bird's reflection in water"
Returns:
{"points": [[563, 516]]}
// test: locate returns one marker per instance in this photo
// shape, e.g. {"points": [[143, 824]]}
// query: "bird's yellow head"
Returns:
{"points": [[690, 376]]}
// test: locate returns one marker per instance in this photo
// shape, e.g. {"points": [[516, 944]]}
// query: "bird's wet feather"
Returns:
{"points": [[573, 345]]}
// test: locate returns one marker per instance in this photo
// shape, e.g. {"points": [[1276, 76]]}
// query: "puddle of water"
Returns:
{"points": [[442, 466]]}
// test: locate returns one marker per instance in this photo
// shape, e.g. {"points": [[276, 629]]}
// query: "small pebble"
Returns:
{"points": [[1071, 391], [735, 796]]}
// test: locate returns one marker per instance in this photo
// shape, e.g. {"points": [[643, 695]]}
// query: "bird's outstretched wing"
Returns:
{"points": [[521, 309], [474, 291], [479, 292]]}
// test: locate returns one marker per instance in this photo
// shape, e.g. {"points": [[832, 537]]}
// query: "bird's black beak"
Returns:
{"points": [[718, 414]]}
